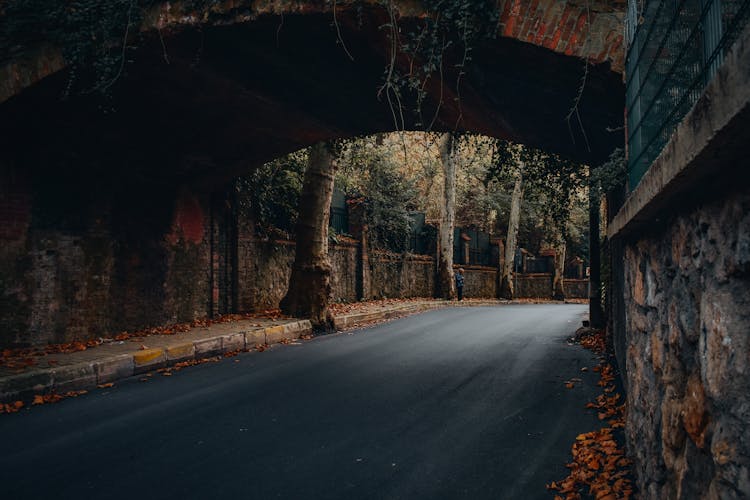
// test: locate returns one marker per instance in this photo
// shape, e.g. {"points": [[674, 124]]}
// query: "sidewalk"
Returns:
{"points": [[61, 373], [363, 313]]}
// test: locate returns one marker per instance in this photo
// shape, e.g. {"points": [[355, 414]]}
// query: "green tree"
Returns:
{"points": [[368, 171], [269, 197]]}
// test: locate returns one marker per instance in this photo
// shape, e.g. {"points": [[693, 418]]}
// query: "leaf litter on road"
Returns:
{"points": [[599, 469]]}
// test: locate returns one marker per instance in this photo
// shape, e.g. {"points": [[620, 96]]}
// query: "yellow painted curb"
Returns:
{"points": [[144, 357]]}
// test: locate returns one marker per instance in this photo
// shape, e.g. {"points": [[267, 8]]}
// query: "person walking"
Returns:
{"points": [[460, 283]]}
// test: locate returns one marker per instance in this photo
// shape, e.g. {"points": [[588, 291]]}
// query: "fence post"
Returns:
{"points": [[466, 241]]}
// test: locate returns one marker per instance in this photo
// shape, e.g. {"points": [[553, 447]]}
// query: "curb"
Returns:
{"points": [[90, 374], [353, 320]]}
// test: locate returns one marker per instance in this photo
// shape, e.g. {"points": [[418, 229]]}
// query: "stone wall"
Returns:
{"points": [[395, 275], [81, 260], [344, 271], [576, 289], [687, 296], [533, 286], [480, 281], [264, 267]]}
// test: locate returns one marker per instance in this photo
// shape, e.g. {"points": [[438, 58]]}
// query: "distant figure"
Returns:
{"points": [[460, 283]]}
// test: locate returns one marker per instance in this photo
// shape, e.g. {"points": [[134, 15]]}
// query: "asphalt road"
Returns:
{"points": [[460, 403]]}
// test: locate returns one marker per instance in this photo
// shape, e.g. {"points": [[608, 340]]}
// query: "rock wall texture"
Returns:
{"points": [[687, 296], [536, 286], [576, 289], [343, 276], [480, 282], [264, 267], [395, 275]]}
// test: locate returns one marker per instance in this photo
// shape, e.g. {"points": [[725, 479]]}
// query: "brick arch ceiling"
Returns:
{"points": [[243, 87]]}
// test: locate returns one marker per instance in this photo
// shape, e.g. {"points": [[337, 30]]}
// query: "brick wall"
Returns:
{"points": [[79, 262], [15, 261], [570, 28]]}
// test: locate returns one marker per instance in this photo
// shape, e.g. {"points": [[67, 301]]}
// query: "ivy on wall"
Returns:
{"points": [[97, 39], [441, 42]]}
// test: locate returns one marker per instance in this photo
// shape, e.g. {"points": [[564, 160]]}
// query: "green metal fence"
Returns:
{"points": [[675, 48], [339, 220]]}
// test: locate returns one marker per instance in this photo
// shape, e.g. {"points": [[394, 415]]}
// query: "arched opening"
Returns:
{"points": [[111, 195]]}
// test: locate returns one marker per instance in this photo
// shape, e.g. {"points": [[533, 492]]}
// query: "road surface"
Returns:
{"points": [[458, 403]]}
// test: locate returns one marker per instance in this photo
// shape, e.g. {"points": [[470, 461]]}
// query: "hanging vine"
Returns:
{"points": [[445, 37], [95, 37]]}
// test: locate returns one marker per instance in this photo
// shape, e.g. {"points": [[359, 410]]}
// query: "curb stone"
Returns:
{"points": [[87, 375]]}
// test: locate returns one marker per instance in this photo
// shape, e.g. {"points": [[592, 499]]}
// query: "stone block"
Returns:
{"points": [[180, 352], [255, 337], [148, 359], [114, 368], [233, 342], [275, 334], [206, 348], [25, 384], [74, 377], [694, 414]]}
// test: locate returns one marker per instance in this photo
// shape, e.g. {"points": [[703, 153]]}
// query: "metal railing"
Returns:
{"points": [[340, 220], [675, 48], [479, 248]]}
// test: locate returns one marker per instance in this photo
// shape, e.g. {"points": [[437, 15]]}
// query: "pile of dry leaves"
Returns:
{"points": [[599, 469]]}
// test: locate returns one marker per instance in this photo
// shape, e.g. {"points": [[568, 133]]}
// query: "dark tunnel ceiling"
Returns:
{"points": [[235, 96]]}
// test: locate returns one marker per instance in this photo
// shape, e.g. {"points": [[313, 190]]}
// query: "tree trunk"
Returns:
{"points": [[558, 291], [446, 281], [310, 283], [596, 315], [506, 279]]}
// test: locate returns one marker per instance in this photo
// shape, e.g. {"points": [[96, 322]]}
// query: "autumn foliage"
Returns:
{"points": [[599, 468], [39, 399]]}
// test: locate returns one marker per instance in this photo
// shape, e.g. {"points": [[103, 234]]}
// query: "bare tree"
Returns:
{"points": [[558, 291], [506, 279], [446, 281]]}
